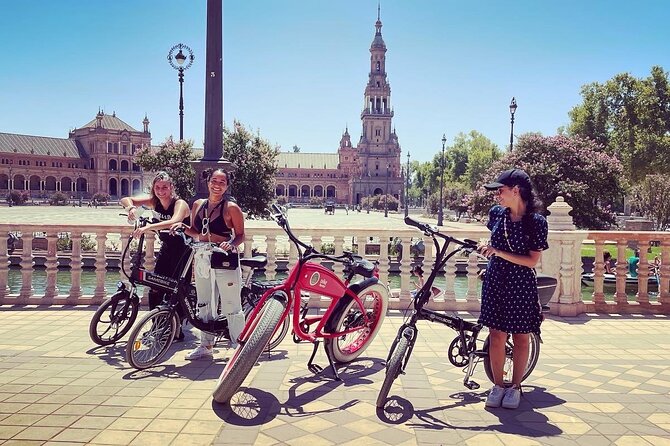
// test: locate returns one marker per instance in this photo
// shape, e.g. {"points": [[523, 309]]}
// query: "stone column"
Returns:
{"points": [[563, 259]]}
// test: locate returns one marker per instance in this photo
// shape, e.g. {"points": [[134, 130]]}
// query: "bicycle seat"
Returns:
{"points": [[254, 262]]}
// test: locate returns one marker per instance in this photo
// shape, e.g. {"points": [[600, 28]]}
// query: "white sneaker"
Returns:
{"points": [[199, 352], [512, 398], [495, 397]]}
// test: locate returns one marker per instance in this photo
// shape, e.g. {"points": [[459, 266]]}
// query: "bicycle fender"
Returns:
{"points": [[363, 284]]}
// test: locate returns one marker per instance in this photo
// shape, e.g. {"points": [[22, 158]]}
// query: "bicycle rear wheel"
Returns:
{"points": [[348, 315], [114, 318], [508, 367], [393, 369], [247, 353], [151, 338]]}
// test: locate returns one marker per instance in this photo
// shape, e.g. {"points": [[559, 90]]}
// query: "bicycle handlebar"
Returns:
{"points": [[429, 230]]}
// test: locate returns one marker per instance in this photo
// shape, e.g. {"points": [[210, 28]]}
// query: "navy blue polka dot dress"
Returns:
{"points": [[509, 292]]}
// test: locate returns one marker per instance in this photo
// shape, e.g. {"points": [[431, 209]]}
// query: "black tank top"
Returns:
{"points": [[162, 214], [217, 224]]}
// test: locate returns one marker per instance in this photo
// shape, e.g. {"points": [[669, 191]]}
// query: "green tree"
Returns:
{"points": [[652, 197], [255, 165], [174, 158], [58, 199], [630, 118], [576, 168], [296, 149]]}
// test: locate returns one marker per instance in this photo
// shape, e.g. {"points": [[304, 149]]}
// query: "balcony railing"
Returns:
{"points": [[562, 260]]}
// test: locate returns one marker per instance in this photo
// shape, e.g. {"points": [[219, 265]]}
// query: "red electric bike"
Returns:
{"points": [[348, 326]]}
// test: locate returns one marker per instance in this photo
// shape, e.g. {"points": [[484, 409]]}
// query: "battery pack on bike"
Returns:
{"points": [[153, 280]]}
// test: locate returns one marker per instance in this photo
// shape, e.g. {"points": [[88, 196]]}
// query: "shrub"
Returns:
{"points": [[327, 248], [101, 197], [17, 198], [58, 199]]}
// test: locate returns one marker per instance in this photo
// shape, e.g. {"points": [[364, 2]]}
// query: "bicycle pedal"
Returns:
{"points": [[472, 385], [315, 368]]}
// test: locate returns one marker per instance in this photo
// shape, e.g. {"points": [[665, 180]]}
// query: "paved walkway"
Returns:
{"points": [[601, 380]]}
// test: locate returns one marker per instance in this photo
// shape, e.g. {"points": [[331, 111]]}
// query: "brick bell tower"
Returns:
{"points": [[378, 151]]}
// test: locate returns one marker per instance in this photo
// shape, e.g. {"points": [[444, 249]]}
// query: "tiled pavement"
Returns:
{"points": [[601, 380]]}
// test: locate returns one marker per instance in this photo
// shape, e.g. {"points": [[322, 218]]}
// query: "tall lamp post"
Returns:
{"points": [[367, 189], [440, 212], [512, 110], [181, 62], [407, 187]]}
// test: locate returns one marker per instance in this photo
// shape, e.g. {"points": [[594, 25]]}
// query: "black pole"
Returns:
{"points": [[213, 150], [181, 104], [512, 110], [407, 188]]}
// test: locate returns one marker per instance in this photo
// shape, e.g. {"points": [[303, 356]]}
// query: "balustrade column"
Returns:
{"points": [[598, 275], [338, 267], [51, 289], [384, 261], [75, 268], [4, 269], [149, 251], [473, 280], [248, 243], [26, 291], [621, 271], [100, 268], [428, 255], [271, 268], [449, 279], [405, 268]]}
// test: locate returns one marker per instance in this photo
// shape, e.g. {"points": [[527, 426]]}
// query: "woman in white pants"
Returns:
{"points": [[216, 220]]}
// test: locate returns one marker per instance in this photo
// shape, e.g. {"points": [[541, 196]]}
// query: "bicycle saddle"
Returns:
{"points": [[254, 262]]}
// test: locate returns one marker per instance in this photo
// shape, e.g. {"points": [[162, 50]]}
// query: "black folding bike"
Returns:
{"points": [[463, 350]]}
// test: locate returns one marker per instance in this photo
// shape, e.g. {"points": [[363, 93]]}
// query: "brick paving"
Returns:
{"points": [[601, 379]]}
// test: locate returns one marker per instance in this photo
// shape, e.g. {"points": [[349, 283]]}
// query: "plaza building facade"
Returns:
{"points": [[95, 158], [372, 167]]}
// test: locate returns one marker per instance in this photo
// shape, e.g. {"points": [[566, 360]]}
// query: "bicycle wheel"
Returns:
{"points": [[508, 367], [347, 315], [151, 338], [280, 332], [392, 369], [114, 318], [260, 331]]}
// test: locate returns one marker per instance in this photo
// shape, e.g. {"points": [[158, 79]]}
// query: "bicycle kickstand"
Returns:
{"points": [[332, 365]]}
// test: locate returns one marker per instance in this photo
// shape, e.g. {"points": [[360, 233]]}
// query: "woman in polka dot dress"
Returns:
{"points": [[509, 293]]}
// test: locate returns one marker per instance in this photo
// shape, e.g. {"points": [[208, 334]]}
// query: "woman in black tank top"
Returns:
{"points": [[167, 210], [216, 221]]}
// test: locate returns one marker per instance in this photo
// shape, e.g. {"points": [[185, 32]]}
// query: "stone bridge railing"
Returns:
{"points": [[562, 260]]}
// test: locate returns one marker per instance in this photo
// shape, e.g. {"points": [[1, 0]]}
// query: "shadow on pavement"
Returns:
{"points": [[254, 407], [522, 421]]}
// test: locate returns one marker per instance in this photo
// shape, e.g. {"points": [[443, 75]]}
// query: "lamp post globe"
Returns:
{"points": [[181, 62], [440, 211], [512, 110]]}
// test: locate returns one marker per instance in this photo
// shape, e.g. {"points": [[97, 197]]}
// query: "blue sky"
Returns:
{"points": [[295, 70]]}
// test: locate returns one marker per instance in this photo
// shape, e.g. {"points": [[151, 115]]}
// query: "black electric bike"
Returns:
{"points": [[463, 350]]}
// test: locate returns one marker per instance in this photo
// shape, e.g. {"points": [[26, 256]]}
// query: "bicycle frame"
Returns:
{"points": [[308, 276]]}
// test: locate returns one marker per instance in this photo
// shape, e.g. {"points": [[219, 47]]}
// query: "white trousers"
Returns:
{"points": [[212, 285]]}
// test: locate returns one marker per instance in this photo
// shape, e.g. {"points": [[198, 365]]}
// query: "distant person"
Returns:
{"points": [[417, 271], [607, 257], [633, 262]]}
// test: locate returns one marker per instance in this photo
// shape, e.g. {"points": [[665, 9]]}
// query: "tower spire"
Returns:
{"points": [[379, 7]]}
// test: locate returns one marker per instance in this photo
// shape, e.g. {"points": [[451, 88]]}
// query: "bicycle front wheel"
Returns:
{"points": [[260, 331], [393, 369], [114, 318], [347, 315], [280, 332], [508, 367], [151, 338]]}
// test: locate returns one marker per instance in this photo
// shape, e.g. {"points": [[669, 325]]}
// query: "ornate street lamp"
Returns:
{"points": [[367, 188], [512, 110], [440, 212], [181, 62]]}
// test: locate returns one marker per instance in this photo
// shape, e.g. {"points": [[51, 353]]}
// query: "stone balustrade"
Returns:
{"points": [[562, 260]]}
